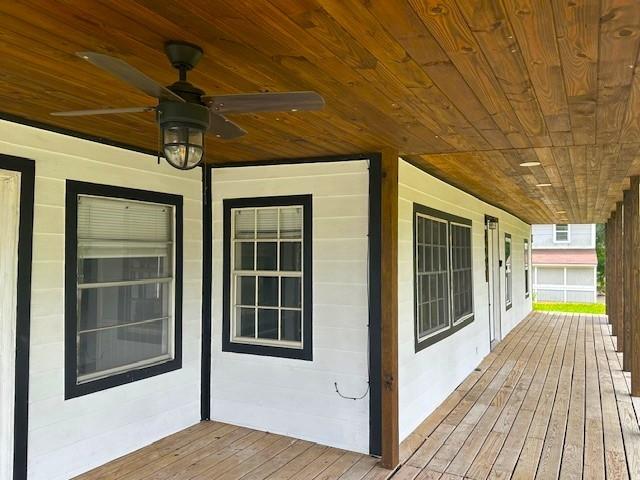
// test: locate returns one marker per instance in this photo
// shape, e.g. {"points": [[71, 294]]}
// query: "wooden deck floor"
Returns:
{"points": [[550, 402], [214, 450]]}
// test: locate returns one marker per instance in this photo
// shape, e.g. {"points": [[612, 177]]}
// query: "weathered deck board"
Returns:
{"points": [[214, 450], [559, 408], [551, 401]]}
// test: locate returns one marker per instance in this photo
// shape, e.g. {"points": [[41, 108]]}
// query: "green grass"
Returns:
{"points": [[597, 308]]}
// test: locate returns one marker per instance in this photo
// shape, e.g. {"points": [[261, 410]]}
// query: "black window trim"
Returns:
{"points": [[306, 352], [73, 189], [509, 305], [422, 343]]}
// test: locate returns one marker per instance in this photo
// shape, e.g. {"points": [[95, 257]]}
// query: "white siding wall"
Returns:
{"points": [[427, 377], [69, 437], [297, 397], [581, 235]]}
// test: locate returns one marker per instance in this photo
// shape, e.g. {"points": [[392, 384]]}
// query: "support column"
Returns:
{"points": [[389, 312], [613, 277], [619, 283], [607, 268], [634, 297], [629, 223]]}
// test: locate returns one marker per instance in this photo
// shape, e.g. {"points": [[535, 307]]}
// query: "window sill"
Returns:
{"points": [[428, 341], [304, 353], [73, 389]]}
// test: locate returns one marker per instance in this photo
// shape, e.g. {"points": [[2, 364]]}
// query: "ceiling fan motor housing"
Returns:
{"points": [[183, 114]]}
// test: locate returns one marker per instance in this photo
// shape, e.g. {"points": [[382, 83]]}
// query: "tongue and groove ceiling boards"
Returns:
{"points": [[467, 90]]}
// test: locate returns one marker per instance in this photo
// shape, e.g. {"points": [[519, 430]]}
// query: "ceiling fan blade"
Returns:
{"points": [[103, 111], [129, 74], [224, 128], [265, 102]]}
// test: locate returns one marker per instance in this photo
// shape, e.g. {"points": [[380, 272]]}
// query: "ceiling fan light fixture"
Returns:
{"points": [[183, 126]]}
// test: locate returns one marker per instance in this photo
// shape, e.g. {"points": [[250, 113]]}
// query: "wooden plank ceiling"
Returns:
{"points": [[466, 89]]}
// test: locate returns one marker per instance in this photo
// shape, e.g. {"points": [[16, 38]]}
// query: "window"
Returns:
{"points": [[267, 276], [123, 286], [461, 271], [508, 273], [443, 274], [527, 268], [561, 233], [432, 275]]}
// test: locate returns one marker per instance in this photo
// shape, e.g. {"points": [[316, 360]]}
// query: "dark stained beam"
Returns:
{"points": [[629, 223], [619, 282], [634, 298], [389, 287]]}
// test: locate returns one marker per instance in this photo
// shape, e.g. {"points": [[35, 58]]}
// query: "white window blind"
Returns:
{"points": [[114, 228]]}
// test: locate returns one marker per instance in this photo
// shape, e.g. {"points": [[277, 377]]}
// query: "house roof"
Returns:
{"points": [[564, 257]]}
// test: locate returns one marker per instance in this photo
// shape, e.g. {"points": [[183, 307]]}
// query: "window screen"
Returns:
{"points": [[267, 275], [124, 285], [508, 265], [432, 275], [461, 271]]}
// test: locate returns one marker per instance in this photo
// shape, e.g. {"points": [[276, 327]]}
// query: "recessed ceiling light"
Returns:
{"points": [[543, 185], [561, 212], [294, 109], [529, 164]]}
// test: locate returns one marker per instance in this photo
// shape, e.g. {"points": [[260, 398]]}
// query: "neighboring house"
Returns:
{"points": [[565, 263]]}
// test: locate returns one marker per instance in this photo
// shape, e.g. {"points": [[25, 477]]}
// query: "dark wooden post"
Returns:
{"points": [[607, 267], [634, 297], [613, 278], [607, 275], [389, 309], [619, 284], [629, 223]]}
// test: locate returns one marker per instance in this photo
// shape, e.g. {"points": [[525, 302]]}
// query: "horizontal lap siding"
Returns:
{"points": [[427, 377], [296, 397], [581, 235], [69, 437]]}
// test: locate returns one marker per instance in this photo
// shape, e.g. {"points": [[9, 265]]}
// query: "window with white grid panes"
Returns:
{"points": [[461, 272], [267, 264], [443, 268], [432, 275]]}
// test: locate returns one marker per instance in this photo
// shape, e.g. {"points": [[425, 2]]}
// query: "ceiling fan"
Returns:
{"points": [[184, 113]]}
